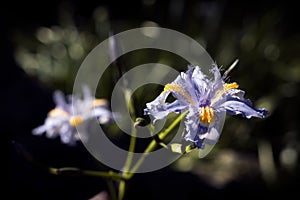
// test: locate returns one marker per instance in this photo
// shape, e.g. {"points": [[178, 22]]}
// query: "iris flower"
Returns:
{"points": [[206, 100], [61, 121]]}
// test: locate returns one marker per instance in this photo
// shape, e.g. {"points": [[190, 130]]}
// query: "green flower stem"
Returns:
{"points": [[78, 172], [154, 144], [131, 150], [127, 94], [112, 189], [122, 187], [130, 104], [122, 183]]}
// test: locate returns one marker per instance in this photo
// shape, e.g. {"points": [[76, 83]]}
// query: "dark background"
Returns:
{"points": [[222, 25]]}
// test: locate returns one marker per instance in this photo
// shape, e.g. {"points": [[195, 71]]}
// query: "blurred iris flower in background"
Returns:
{"points": [[61, 121]]}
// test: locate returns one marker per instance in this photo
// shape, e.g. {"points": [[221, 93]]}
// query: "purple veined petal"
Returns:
{"points": [[161, 110], [157, 107], [216, 72], [201, 84], [161, 99], [232, 93], [196, 135], [198, 74], [181, 92], [184, 81], [193, 127], [236, 93], [217, 82], [213, 135], [244, 107], [204, 137]]}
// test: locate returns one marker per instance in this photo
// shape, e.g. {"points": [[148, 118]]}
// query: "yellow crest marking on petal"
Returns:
{"points": [[58, 112], [226, 87], [206, 114], [180, 90], [76, 120]]}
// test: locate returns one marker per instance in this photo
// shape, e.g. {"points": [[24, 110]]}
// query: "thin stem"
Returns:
{"points": [[78, 172], [131, 150], [122, 187], [122, 183], [153, 144], [112, 190], [68, 171], [130, 104], [127, 94]]}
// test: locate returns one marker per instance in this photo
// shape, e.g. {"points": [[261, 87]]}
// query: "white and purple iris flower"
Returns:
{"points": [[61, 121], [206, 100]]}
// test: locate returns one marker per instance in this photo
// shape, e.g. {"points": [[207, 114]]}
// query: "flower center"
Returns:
{"points": [[206, 114], [76, 120]]}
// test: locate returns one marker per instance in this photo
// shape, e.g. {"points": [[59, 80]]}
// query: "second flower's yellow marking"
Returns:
{"points": [[228, 86], [76, 120], [180, 90], [99, 102], [206, 114], [58, 112]]}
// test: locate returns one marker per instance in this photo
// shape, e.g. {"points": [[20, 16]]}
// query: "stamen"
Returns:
{"points": [[206, 114], [76, 120], [57, 112], [180, 90]]}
